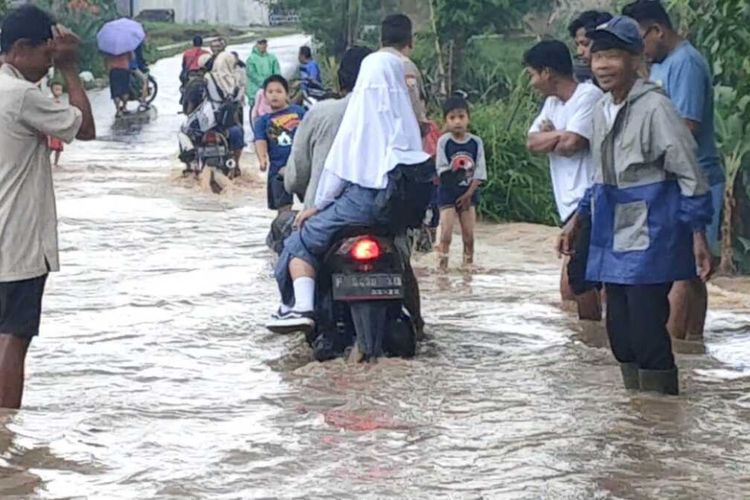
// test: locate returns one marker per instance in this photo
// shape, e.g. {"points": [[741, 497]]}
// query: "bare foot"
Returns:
{"points": [[442, 262]]}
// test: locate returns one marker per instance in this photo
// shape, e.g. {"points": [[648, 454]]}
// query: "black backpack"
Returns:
{"points": [[409, 193]]}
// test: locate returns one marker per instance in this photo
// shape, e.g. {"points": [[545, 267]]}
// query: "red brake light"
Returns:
{"points": [[366, 249]]}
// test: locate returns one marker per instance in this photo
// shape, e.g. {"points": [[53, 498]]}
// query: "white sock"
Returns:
{"points": [[284, 309], [304, 294]]}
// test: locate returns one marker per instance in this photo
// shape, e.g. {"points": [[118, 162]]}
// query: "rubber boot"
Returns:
{"points": [[630, 376], [661, 381]]}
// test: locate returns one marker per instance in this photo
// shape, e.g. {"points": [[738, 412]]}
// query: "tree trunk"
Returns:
{"points": [[457, 65], [726, 265], [442, 79]]}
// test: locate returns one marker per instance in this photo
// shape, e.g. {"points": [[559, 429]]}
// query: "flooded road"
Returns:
{"points": [[153, 377]]}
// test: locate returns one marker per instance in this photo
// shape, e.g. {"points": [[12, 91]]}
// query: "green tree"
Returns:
{"points": [[455, 22], [338, 24]]}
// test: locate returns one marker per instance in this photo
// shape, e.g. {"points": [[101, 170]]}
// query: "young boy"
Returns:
{"points": [[55, 144], [462, 169], [649, 207], [274, 134]]}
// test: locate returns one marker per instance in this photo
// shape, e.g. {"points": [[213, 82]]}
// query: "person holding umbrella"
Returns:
{"points": [[118, 40]]}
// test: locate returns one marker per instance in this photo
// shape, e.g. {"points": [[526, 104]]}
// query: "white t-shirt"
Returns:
{"points": [[571, 175], [611, 110]]}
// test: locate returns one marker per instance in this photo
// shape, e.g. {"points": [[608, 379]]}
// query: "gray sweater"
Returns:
{"points": [[312, 142]]}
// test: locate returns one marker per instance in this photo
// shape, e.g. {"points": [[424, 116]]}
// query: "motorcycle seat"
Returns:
{"points": [[354, 231]]}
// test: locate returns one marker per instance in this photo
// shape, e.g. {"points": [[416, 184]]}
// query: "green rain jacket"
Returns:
{"points": [[259, 67]]}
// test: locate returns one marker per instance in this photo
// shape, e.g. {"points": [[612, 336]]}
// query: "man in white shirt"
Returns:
{"points": [[31, 42], [562, 131]]}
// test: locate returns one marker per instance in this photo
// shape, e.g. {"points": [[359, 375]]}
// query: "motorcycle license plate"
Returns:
{"points": [[353, 287]]}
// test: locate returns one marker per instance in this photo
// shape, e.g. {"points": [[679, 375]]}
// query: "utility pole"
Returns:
{"points": [[132, 8]]}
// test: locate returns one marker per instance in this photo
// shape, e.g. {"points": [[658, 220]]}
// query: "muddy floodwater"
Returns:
{"points": [[153, 376]]}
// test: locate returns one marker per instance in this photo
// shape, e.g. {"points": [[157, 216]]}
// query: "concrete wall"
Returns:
{"points": [[230, 12]]}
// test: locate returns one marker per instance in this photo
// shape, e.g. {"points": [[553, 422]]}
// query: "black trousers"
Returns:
{"points": [[637, 325]]}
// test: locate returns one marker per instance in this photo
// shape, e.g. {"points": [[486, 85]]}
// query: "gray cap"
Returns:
{"points": [[621, 30]]}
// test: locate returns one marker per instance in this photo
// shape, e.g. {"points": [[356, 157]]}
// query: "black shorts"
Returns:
{"points": [[579, 261], [21, 306], [119, 83], [277, 195], [447, 196]]}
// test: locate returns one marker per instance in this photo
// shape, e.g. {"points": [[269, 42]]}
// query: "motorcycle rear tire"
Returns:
{"points": [[381, 331]]}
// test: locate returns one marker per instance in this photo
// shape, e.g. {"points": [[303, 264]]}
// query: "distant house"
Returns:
{"points": [[229, 12]]}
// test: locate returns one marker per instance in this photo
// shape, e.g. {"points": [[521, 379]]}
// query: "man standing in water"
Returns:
{"points": [[649, 204], [397, 38], [31, 43], [685, 76], [562, 131]]}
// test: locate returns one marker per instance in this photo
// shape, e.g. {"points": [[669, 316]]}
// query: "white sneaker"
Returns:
{"points": [[291, 322]]}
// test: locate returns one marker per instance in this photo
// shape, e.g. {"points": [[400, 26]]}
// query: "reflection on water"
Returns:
{"points": [[154, 378]]}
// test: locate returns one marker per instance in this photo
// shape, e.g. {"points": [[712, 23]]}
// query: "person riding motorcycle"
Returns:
{"points": [[211, 109], [377, 148], [194, 91], [139, 72], [223, 90], [317, 132]]}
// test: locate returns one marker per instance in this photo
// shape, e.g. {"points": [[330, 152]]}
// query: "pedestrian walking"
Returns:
{"points": [[260, 66], [274, 136]]}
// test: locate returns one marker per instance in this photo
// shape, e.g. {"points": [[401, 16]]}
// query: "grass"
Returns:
{"points": [[501, 51]]}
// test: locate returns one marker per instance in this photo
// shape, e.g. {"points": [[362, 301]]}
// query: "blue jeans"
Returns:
{"points": [[236, 138], [357, 206], [713, 231]]}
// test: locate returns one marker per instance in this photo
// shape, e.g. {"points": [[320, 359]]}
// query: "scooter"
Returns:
{"points": [[360, 300]]}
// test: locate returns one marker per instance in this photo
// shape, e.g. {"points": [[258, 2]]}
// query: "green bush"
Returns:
{"points": [[519, 186]]}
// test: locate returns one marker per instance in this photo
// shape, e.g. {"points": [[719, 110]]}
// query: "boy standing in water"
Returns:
{"points": [[462, 169], [274, 134], [649, 207], [55, 144]]}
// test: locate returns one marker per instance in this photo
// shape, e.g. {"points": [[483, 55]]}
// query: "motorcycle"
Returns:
{"points": [[136, 89], [311, 93], [204, 139], [209, 149], [360, 299]]}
